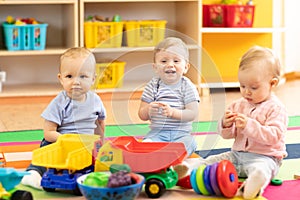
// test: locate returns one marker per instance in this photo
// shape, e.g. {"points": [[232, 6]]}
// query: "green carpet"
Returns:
{"points": [[118, 130]]}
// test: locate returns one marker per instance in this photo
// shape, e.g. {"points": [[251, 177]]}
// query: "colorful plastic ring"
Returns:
{"points": [[213, 179], [206, 180], [227, 178], [193, 181], [276, 182], [200, 180]]}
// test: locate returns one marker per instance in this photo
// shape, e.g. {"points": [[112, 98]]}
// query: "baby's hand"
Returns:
{"points": [[154, 109], [241, 121], [158, 108], [166, 109], [228, 119]]}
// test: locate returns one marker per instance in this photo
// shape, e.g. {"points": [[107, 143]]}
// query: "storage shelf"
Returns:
{"points": [[31, 2], [52, 89], [26, 90], [224, 46], [241, 30], [129, 49], [48, 51], [59, 51], [136, 1]]}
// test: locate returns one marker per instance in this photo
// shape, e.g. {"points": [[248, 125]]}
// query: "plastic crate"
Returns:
{"points": [[214, 15], [25, 37], [240, 15], [103, 34], [145, 32], [218, 15], [109, 75]]}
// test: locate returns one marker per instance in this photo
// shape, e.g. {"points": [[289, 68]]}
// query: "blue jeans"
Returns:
{"points": [[173, 136], [39, 169]]}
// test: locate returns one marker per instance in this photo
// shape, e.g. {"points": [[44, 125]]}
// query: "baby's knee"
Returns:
{"points": [[260, 175]]}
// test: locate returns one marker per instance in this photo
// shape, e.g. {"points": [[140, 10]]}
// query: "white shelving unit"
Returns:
{"points": [[33, 73], [138, 68], [30, 72], [219, 58]]}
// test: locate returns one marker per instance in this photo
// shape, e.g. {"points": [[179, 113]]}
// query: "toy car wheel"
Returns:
{"points": [[21, 195], [77, 192], [154, 188], [49, 189]]}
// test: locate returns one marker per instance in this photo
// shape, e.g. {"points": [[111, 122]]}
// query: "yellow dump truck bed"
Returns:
{"points": [[70, 151]]}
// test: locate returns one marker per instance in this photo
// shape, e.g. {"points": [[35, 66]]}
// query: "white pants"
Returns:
{"points": [[258, 169]]}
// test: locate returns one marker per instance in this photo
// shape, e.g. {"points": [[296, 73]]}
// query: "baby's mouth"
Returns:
{"points": [[170, 72]]}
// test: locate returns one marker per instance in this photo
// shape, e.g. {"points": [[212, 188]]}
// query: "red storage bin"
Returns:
{"points": [[220, 15], [214, 15], [239, 15]]}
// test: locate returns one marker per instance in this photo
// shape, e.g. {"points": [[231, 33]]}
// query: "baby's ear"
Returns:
{"points": [[187, 66], [59, 77], [154, 67], [274, 82]]}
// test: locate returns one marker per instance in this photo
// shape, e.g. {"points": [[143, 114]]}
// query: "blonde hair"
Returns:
{"points": [[262, 57], [172, 42], [76, 52]]}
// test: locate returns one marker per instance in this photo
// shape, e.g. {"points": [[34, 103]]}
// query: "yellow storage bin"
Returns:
{"points": [[103, 34], [109, 75], [145, 32]]}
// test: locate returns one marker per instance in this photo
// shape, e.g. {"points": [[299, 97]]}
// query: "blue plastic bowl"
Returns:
{"points": [[129, 192]]}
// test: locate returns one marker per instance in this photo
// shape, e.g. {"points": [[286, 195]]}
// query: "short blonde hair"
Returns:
{"points": [[76, 52], [264, 57], [172, 42]]}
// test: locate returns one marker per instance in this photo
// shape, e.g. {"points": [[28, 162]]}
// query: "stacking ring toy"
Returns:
{"points": [[217, 179], [213, 179], [193, 181], [206, 179], [200, 180], [227, 178], [276, 182]]}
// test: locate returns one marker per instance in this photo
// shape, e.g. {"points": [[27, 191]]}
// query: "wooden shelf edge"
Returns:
{"points": [[47, 51], [241, 30], [32, 2]]}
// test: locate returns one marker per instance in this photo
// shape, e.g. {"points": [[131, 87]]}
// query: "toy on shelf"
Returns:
{"points": [[101, 32], [218, 179], [24, 34], [9, 178], [153, 160]]}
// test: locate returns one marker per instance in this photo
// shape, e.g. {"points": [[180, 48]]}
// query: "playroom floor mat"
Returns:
{"points": [[172, 194]]}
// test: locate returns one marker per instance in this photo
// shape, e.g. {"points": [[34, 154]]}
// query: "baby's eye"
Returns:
{"points": [[83, 76], [68, 76]]}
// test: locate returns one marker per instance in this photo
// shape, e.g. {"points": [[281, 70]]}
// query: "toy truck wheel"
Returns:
{"points": [[154, 188], [77, 191], [21, 195], [49, 189]]}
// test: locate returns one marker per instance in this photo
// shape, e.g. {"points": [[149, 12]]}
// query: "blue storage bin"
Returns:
{"points": [[25, 37]]}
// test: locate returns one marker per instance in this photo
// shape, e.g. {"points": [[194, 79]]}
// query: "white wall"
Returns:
{"points": [[292, 35]]}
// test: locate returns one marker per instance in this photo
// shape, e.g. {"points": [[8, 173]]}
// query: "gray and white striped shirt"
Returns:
{"points": [[177, 96]]}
